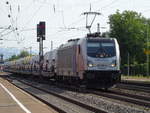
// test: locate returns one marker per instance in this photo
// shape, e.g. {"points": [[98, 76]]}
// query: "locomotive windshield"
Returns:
{"points": [[101, 48]]}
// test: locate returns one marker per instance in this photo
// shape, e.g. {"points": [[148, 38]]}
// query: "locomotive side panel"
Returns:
{"points": [[81, 58], [66, 61]]}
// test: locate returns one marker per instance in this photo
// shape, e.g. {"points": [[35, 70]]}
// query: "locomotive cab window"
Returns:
{"points": [[101, 49]]}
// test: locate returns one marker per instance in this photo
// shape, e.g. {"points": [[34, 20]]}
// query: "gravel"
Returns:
{"points": [[93, 100], [133, 92], [60, 103]]}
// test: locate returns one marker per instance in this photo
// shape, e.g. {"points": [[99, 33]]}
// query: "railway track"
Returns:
{"points": [[122, 96], [133, 87], [137, 83], [126, 97], [90, 98], [75, 106]]}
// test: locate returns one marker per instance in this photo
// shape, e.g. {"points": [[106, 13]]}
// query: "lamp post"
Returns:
{"points": [[128, 64]]}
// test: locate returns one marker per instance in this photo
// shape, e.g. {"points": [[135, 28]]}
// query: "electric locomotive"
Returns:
{"points": [[91, 61]]}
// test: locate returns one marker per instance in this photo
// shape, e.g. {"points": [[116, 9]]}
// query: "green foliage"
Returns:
{"points": [[135, 69], [13, 57], [130, 29], [21, 55]]}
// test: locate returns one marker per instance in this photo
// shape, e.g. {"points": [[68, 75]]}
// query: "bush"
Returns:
{"points": [[135, 69]]}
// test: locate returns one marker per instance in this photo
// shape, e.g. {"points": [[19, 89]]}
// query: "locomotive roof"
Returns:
{"points": [[50, 54], [69, 43], [100, 39], [72, 42]]}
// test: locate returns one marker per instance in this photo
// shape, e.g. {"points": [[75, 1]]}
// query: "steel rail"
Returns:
{"points": [[124, 97], [83, 105]]}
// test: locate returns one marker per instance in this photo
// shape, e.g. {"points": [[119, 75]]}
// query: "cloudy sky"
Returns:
{"points": [[64, 19]]}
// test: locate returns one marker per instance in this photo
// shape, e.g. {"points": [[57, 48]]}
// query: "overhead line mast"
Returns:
{"points": [[87, 15]]}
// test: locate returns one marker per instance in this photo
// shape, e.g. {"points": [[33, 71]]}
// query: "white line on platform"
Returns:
{"points": [[15, 99]]}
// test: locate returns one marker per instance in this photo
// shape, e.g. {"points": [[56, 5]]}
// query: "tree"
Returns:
{"points": [[21, 55], [130, 29], [13, 57]]}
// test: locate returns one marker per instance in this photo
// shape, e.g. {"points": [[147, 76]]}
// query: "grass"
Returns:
{"points": [[136, 77]]}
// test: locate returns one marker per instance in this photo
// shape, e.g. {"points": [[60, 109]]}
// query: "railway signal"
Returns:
{"points": [[40, 38], [41, 31]]}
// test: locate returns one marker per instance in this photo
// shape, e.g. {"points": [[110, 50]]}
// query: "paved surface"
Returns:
{"points": [[14, 100]]}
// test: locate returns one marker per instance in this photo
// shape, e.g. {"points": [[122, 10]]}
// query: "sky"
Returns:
{"points": [[64, 19]]}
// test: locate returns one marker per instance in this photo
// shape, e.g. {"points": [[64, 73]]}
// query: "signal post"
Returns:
{"points": [[40, 38]]}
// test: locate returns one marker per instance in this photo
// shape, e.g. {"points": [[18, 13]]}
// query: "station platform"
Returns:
{"points": [[15, 100]]}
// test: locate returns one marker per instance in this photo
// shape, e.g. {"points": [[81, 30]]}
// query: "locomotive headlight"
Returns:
{"points": [[90, 64], [113, 64]]}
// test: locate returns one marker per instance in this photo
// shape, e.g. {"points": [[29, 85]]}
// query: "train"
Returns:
{"points": [[90, 61]]}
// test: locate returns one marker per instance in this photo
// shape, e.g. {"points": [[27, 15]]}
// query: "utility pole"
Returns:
{"points": [[51, 45], [98, 28], [128, 64], [147, 50], [40, 38]]}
